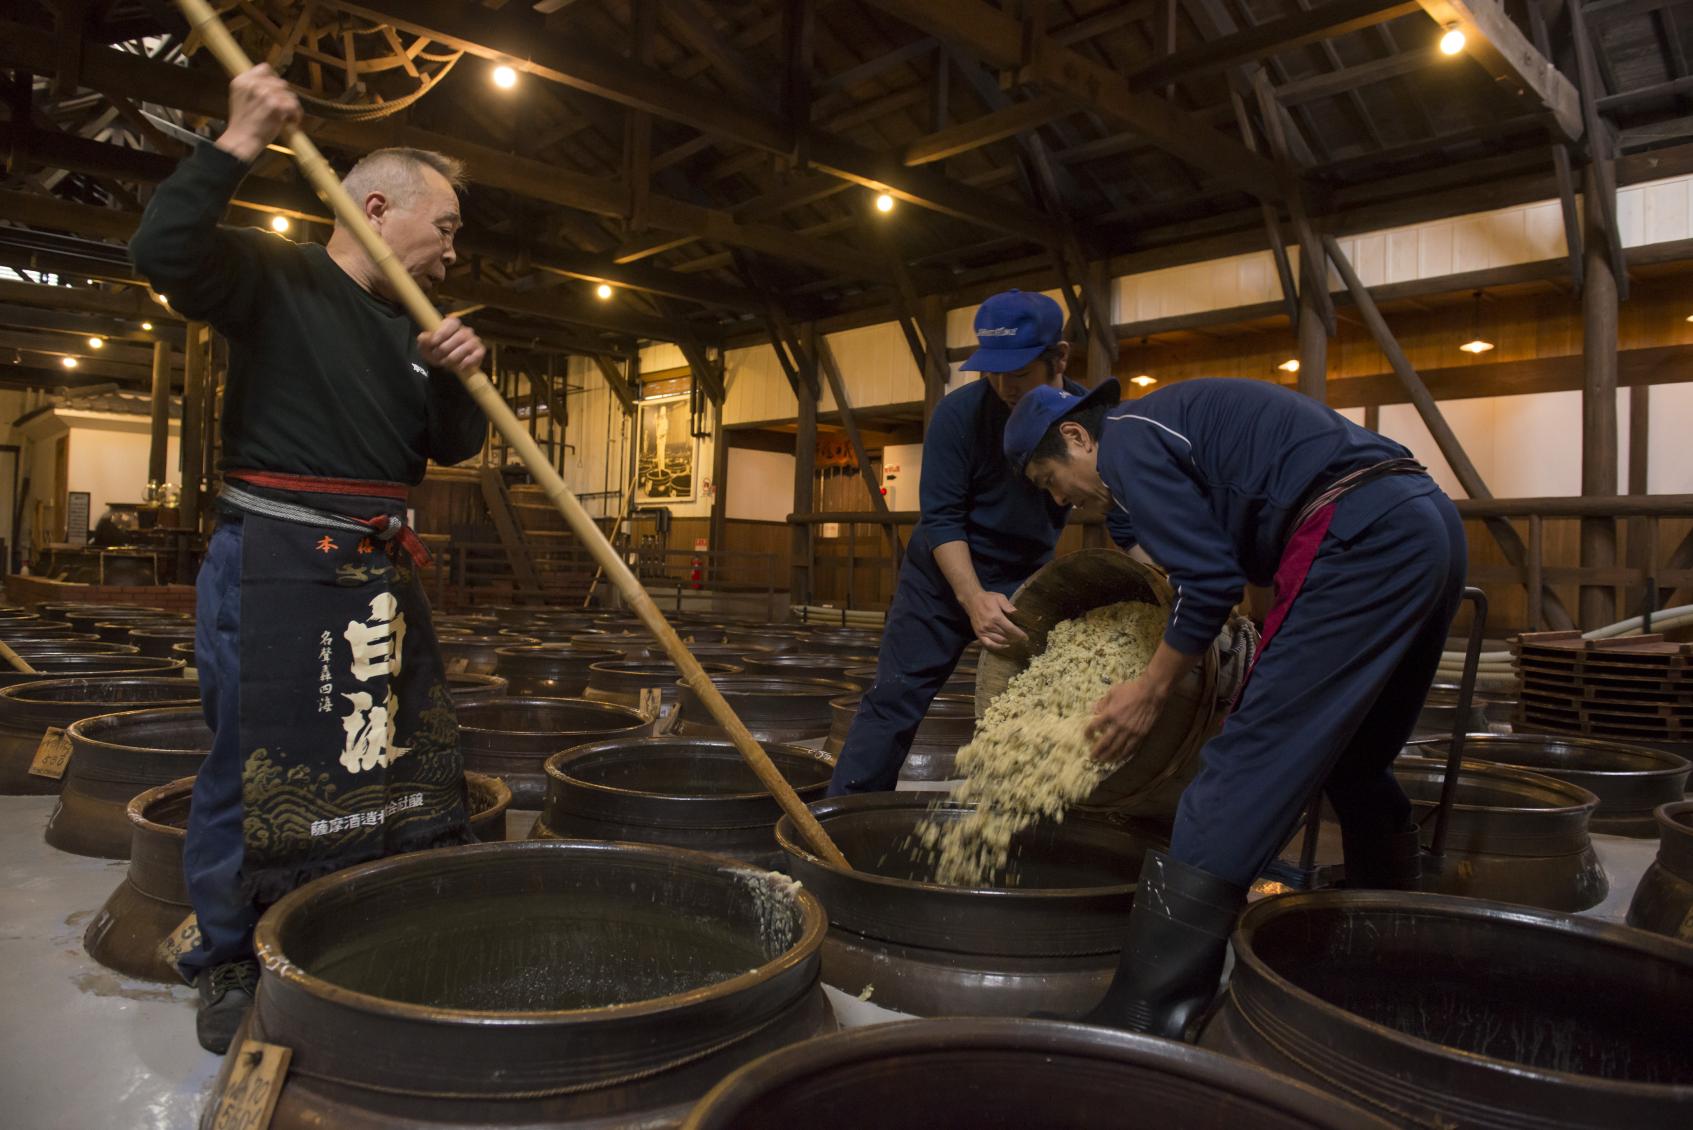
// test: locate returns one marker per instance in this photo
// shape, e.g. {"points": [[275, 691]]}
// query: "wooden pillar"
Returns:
{"points": [[1313, 335], [1102, 339], [156, 461], [1640, 540], [196, 368], [1598, 401], [1372, 417], [805, 469], [717, 534], [938, 369]]}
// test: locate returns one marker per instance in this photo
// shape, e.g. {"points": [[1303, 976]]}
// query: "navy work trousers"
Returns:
{"points": [[1335, 694], [927, 631], [212, 855]]}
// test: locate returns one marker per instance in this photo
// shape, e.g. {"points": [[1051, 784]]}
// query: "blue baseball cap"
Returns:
{"points": [[1043, 407], [1012, 329]]}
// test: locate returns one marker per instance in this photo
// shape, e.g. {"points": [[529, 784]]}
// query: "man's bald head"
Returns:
{"points": [[401, 174], [410, 196]]}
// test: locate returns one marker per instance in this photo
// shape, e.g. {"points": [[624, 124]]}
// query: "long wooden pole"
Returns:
{"points": [[616, 525], [222, 45], [17, 662]]}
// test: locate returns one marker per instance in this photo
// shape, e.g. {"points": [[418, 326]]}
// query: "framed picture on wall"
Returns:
{"points": [[667, 452]]}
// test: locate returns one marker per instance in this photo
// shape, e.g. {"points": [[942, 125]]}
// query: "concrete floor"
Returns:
{"points": [[82, 1048]]}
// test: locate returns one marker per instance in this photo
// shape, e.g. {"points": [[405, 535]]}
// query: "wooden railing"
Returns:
{"points": [[1641, 579], [1640, 576]]}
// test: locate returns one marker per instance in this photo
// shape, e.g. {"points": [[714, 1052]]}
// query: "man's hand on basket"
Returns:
{"points": [[1123, 717]]}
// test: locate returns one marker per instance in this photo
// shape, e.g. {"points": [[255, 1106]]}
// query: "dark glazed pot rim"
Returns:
{"points": [[35, 694], [961, 705], [919, 1038], [1484, 915], [609, 710], [558, 765], [776, 685], [1574, 799], [266, 936], [1651, 762], [845, 807], [544, 648], [79, 730]]}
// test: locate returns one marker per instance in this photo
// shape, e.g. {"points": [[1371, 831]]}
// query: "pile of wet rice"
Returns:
{"points": [[1028, 760]]}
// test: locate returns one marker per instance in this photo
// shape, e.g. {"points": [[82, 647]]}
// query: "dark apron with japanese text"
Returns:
{"points": [[349, 739]]}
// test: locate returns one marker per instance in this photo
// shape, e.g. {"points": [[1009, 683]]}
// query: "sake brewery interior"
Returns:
{"points": [[778, 563]]}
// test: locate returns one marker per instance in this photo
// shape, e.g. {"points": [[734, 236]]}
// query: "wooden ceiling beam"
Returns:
{"points": [[1500, 47], [264, 196], [515, 35], [1269, 38], [1001, 41], [202, 92]]}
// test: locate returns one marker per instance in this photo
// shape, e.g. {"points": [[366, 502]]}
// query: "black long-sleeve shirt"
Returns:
{"points": [[325, 378]]}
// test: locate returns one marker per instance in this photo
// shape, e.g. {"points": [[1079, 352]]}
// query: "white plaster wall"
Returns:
{"points": [[761, 485]]}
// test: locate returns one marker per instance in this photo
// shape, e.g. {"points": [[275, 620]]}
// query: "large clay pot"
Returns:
{"points": [[29, 710], [511, 739], [1663, 902], [1451, 1012], [152, 901], [676, 792], [1008, 1074], [546, 983], [115, 758], [1045, 942]]}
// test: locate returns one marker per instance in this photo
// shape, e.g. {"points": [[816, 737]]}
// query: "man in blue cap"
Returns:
{"points": [[984, 530], [1230, 482]]}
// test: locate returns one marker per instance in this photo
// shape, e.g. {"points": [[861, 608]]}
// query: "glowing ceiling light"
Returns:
{"points": [[1453, 41], [603, 291], [1291, 365], [68, 362], [96, 343], [1143, 380], [505, 76], [279, 224], [146, 325], [1477, 343], [884, 202]]}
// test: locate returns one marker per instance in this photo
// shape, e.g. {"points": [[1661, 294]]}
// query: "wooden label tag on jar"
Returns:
{"points": [[53, 755], [255, 1082], [652, 700], [182, 939]]}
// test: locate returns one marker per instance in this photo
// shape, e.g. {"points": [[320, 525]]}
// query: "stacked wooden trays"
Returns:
{"points": [[1634, 687]]}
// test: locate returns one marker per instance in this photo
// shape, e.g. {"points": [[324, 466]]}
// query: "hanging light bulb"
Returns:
{"points": [[1291, 365], [884, 203], [1143, 380], [68, 362], [603, 291], [1453, 41], [279, 224], [147, 325], [1477, 343], [96, 343], [505, 76]]}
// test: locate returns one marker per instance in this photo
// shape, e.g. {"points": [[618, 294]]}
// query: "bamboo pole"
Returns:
{"points": [[204, 22], [18, 662], [616, 525]]}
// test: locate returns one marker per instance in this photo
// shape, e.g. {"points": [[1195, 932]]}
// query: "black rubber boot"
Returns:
{"points": [[1382, 861], [1173, 958], [226, 993]]}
